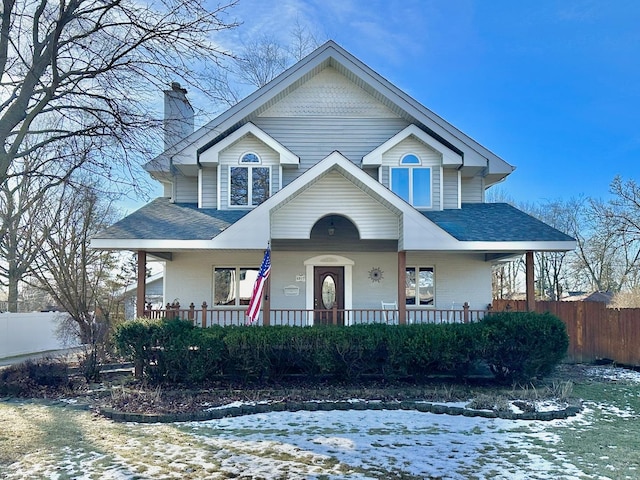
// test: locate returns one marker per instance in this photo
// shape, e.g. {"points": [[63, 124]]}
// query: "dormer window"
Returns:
{"points": [[250, 182], [411, 181]]}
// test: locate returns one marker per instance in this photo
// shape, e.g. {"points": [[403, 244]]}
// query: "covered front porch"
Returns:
{"points": [[350, 283]]}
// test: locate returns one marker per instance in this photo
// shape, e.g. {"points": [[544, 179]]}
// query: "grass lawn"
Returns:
{"points": [[40, 439]]}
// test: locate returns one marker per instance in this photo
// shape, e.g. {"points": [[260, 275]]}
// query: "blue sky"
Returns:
{"points": [[553, 87]]}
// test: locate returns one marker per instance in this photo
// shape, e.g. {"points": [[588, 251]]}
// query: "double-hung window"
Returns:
{"points": [[411, 181], [249, 182], [419, 285]]}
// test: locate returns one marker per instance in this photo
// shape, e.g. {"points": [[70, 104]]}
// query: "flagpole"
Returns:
{"points": [[261, 283], [266, 306]]}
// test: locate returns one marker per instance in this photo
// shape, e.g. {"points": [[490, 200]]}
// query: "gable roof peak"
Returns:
{"points": [[331, 54]]}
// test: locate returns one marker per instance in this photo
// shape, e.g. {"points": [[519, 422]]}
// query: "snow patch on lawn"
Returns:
{"points": [[614, 373]]}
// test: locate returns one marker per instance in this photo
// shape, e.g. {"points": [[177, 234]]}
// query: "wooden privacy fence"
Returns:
{"points": [[595, 331]]}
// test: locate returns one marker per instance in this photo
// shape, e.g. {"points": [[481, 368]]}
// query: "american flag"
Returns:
{"points": [[256, 298]]}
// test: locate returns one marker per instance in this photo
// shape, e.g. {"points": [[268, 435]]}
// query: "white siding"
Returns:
{"points": [[314, 138], [451, 190], [208, 187], [329, 93], [186, 189], [230, 157], [472, 190], [458, 278], [366, 293], [189, 276], [326, 114], [334, 194], [428, 157]]}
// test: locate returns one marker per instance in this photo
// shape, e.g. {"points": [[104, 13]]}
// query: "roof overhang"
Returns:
{"points": [[209, 154], [150, 245], [449, 157]]}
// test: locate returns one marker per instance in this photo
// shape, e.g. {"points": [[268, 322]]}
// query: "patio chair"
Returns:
{"points": [[390, 312]]}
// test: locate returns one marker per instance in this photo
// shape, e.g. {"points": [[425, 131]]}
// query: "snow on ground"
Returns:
{"points": [[355, 444], [373, 444], [614, 373]]}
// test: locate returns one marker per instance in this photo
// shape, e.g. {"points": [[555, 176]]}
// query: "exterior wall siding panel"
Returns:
{"points": [[333, 194], [189, 277], [186, 189], [472, 190], [208, 187], [314, 138], [459, 278], [450, 188]]}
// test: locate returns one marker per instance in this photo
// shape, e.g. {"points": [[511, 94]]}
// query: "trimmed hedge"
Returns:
{"points": [[517, 347]]}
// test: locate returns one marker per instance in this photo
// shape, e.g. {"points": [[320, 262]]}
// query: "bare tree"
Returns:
{"points": [[625, 205], [553, 274], [80, 279], [258, 61], [27, 202], [303, 41], [609, 242], [552, 269], [506, 278], [79, 69], [626, 299]]}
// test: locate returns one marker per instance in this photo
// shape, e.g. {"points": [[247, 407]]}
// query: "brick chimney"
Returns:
{"points": [[178, 115]]}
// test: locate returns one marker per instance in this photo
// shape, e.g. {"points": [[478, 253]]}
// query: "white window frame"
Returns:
{"points": [[417, 269], [410, 167], [240, 160], [237, 270], [249, 167]]}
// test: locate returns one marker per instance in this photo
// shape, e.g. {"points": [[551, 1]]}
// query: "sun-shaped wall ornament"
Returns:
{"points": [[375, 274]]}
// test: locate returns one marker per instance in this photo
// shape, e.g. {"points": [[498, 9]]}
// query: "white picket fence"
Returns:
{"points": [[26, 333]]}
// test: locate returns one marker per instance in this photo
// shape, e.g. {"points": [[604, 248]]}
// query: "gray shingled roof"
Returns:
{"points": [[494, 222], [163, 220], [484, 222]]}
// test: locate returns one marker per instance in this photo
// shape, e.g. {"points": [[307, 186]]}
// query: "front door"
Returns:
{"points": [[328, 295]]}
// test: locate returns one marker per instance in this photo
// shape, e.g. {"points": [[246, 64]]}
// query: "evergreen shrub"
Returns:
{"points": [[516, 347], [523, 346]]}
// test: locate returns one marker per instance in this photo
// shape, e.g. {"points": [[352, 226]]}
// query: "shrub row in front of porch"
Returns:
{"points": [[517, 347]]}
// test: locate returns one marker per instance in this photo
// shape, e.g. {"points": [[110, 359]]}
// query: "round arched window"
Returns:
{"points": [[410, 159], [250, 157]]}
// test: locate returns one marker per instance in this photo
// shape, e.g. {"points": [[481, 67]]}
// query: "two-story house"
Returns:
{"points": [[363, 195]]}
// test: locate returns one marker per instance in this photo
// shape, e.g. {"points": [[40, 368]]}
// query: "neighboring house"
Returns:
{"points": [[602, 297], [363, 194], [153, 295]]}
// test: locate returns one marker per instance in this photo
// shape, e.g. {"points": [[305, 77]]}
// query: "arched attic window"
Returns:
{"points": [[250, 183], [411, 181]]}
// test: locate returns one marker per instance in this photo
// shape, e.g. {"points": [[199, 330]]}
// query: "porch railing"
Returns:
{"points": [[204, 316]]}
